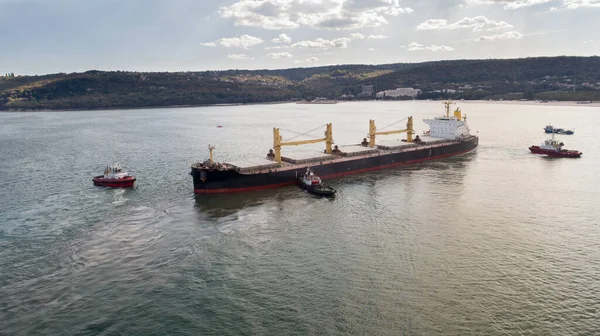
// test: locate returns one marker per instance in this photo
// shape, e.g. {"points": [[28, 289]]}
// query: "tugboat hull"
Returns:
{"points": [[562, 153], [319, 190], [126, 182]]}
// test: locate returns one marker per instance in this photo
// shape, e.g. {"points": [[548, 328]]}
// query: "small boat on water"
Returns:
{"points": [[564, 131], [312, 183], [115, 177], [551, 129], [553, 148]]}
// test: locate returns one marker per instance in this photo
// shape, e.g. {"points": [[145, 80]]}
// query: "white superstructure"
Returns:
{"points": [[115, 172], [448, 127]]}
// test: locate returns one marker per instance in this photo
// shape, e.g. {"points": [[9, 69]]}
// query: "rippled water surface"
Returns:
{"points": [[496, 242]]}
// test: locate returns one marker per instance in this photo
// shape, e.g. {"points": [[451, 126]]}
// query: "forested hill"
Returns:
{"points": [[546, 78]]}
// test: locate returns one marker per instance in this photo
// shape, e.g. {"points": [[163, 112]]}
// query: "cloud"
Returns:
{"points": [[309, 60], [574, 4], [587, 41], [277, 47], [371, 49], [238, 57], [320, 14], [511, 4], [516, 4], [377, 37], [357, 36], [280, 55], [511, 35], [478, 23], [244, 41], [414, 46], [282, 38], [320, 43]]}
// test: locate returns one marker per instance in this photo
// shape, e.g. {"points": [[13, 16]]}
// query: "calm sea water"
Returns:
{"points": [[496, 242]]}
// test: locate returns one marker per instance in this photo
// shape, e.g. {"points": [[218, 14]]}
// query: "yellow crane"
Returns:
{"points": [[373, 131], [277, 142]]}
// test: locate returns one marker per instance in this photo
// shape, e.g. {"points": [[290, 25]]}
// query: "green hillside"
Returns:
{"points": [[560, 78]]}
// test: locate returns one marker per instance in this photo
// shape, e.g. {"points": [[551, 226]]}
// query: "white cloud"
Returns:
{"points": [[309, 60], [282, 38], [574, 4], [277, 47], [511, 4], [371, 49], [280, 55], [414, 46], [478, 23], [357, 36], [244, 41], [587, 41], [323, 14], [320, 43], [208, 44], [511, 35], [238, 57], [376, 37], [516, 4]]}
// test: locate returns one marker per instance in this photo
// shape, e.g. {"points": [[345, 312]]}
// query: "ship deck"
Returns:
{"points": [[296, 160], [253, 164]]}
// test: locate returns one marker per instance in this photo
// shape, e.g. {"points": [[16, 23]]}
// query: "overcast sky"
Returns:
{"points": [[49, 36]]}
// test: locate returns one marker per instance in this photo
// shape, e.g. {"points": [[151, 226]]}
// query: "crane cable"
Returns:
{"points": [[303, 134], [392, 124]]}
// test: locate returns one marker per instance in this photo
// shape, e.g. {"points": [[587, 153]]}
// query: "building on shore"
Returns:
{"points": [[399, 92]]}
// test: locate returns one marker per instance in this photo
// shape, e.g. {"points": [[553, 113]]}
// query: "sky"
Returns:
{"points": [[51, 36]]}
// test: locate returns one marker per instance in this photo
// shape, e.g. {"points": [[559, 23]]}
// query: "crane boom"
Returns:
{"points": [[373, 131], [277, 144]]}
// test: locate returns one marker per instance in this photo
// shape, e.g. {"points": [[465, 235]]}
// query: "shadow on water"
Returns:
{"points": [[222, 205]]}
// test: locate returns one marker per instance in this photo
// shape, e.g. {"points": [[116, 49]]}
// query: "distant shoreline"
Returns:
{"points": [[507, 102], [533, 102], [139, 108]]}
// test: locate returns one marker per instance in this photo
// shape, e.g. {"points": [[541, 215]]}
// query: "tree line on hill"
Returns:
{"points": [[545, 78]]}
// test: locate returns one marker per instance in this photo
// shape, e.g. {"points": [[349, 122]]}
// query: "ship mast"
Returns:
{"points": [[447, 104], [210, 148]]}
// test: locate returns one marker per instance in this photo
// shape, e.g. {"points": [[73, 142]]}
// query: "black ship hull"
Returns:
{"points": [[208, 181]]}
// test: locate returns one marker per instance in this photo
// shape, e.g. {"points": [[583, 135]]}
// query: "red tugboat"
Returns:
{"points": [[114, 177], [553, 148]]}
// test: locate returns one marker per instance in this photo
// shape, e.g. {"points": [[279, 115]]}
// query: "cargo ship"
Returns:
{"points": [[448, 135]]}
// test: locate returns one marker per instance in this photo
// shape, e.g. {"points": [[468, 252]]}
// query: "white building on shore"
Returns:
{"points": [[399, 92]]}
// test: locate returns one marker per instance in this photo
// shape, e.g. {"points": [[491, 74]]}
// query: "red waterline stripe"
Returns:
{"points": [[351, 172]]}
